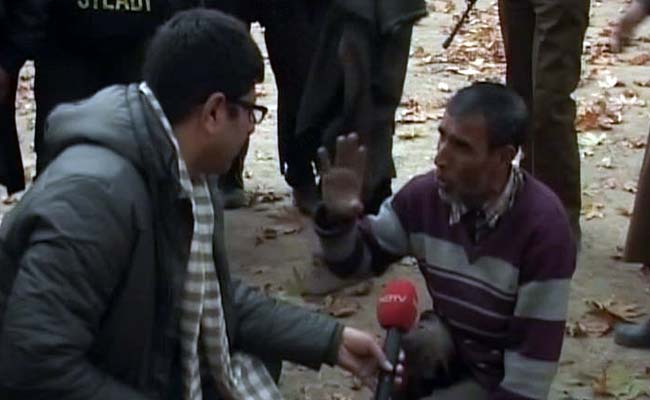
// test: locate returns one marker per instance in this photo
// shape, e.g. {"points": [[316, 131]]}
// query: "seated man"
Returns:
{"points": [[113, 279], [493, 244]]}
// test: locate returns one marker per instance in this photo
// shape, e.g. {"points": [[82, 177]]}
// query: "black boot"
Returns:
{"points": [[306, 198], [631, 335]]}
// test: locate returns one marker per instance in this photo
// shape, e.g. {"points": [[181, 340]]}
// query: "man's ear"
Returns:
{"points": [[214, 111]]}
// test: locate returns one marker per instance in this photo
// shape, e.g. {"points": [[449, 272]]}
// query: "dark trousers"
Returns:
{"points": [[543, 50], [638, 234], [356, 84], [64, 76], [11, 164], [292, 29]]}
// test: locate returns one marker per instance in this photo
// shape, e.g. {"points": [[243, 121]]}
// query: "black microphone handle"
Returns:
{"points": [[391, 350]]}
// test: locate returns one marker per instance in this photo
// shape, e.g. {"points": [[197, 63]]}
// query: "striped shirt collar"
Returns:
{"points": [[492, 211]]}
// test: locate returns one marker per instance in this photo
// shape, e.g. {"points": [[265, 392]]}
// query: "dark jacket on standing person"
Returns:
{"points": [[9, 56], [99, 248], [11, 165], [88, 25], [356, 82]]}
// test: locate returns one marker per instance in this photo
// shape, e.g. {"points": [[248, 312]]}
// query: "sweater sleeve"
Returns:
{"points": [[364, 247], [539, 317]]}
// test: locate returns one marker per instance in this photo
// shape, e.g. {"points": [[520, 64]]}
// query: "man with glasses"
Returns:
{"points": [[256, 112], [114, 281]]}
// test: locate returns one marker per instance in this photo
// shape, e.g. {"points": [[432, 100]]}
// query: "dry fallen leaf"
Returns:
{"points": [[639, 59], [599, 112], [608, 81], [606, 163], [625, 212], [593, 211], [362, 289], [630, 186], [413, 112], [410, 134], [440, 6], [596, 328], [266, 197], [634, 143], [615, 311], [617, 381], [610, 183], [576, 330], [443, 87], [641, 83], [591, 140], [261, 269]]}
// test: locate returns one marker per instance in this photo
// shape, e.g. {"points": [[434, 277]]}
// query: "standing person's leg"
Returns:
{"points": [[292, 32], [517, 28], [387, 89], [637, 251], [560, 27], [11, 167]]}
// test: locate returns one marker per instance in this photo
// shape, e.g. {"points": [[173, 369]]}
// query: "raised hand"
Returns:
{"points": [[342, 182]]}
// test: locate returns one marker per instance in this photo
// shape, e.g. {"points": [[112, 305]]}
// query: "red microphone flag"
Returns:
{"points": [[398, 305]]}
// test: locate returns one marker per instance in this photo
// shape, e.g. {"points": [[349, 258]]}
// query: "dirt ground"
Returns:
{"points": [[271, 246]]}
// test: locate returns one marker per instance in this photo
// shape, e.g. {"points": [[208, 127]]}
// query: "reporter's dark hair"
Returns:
{"points": [[199, 52], [505, 113]]}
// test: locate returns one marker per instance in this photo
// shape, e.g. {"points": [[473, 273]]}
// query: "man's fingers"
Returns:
{"points": [[340, 149], [346, 149], [323, 160], [360, 160], [379, 355]]}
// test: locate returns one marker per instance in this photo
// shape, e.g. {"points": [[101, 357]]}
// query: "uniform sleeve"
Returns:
{"points": [[79, 243], [540, 313]]}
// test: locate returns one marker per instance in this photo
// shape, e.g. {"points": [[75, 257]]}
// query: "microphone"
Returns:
{"points": [[397, 310]]}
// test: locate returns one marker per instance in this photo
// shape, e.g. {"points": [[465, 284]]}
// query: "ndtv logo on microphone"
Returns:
{"points": [[393, 298]]}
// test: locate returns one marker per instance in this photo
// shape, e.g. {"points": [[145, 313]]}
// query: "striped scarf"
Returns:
{"points": [[204, 337]]}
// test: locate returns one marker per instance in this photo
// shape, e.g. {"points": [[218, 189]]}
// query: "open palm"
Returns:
{"points": [[342, 182]]}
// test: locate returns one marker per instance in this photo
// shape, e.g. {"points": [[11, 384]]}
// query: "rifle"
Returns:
{"points": [[459, 24]]}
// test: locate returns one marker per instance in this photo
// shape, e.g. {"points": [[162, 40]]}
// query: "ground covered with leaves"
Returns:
{"points": [[273, 247]]}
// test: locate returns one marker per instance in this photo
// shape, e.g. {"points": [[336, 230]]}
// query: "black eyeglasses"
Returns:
{"points": [[256, 112]]}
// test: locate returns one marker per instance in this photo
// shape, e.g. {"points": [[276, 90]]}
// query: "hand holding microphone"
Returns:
{"points": [[397, 311]]}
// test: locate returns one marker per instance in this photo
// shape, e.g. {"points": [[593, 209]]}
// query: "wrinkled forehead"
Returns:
{"points": [[469, 126]]}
